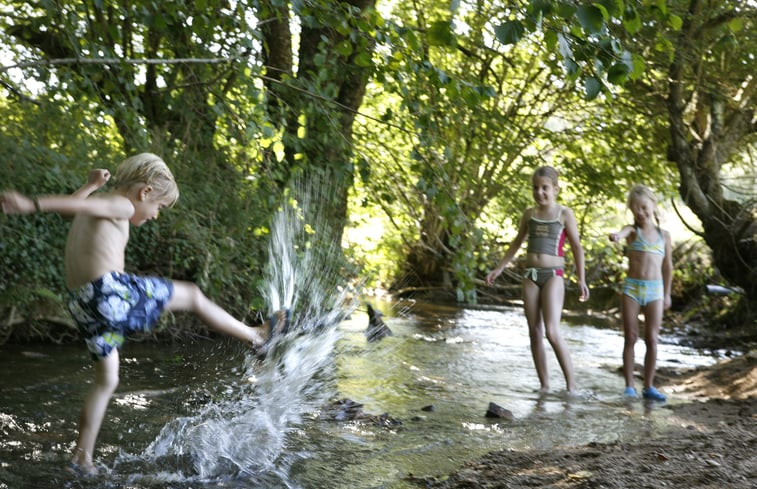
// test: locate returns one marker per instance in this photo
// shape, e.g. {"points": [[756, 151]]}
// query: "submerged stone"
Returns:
{"points": [[497, 411]]}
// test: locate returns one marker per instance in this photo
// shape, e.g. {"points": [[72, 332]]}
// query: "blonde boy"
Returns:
{"points": [[107, 303]]}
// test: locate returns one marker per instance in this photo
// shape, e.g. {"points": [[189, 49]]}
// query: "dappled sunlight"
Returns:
{"points": [[734, 378], [133, 401]]}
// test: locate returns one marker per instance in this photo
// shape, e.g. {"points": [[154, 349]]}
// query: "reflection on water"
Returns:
{"points": [[206, 416]]}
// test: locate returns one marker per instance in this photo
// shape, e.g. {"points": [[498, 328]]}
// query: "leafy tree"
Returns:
{"points": [[711, 105], [313, 94], [479, 105], [123, 77]]}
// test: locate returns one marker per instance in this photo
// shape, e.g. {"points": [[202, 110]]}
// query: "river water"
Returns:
{"points": [[207, 415]]}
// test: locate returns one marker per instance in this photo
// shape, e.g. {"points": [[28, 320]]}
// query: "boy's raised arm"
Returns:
{"points": [[97, 178], [110, 207]]}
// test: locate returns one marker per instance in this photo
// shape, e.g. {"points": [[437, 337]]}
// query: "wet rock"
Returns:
{"points": [[384, 420], [497, 411], [344, 410], [376, 327], [430, 407], [349, 410]]}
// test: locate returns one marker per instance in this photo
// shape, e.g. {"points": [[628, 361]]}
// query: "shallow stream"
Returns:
{"points": [[207, 415]]}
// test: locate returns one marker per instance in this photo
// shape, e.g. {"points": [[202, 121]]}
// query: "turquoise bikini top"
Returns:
{"points": [[640, 244]]}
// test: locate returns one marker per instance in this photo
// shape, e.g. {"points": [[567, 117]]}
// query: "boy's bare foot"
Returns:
{"points": [[276, 325]]}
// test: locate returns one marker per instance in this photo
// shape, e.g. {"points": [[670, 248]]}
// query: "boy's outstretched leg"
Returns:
{"points": [[93, 412], [188, 297]]}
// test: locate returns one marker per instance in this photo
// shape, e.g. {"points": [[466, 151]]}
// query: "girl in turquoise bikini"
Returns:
{"points": [[647, 286], [547, 225]]}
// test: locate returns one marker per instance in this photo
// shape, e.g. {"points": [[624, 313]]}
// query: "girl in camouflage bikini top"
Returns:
{"points": [[546, 236]]}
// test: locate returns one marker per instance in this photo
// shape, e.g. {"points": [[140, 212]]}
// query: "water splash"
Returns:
{"points": [[245, 436]]}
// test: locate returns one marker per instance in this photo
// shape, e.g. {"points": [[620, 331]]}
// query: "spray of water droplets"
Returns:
{"points": [[245, 435]]}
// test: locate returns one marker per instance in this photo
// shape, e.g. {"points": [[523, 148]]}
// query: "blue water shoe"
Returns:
{"points": [[653, 394]]}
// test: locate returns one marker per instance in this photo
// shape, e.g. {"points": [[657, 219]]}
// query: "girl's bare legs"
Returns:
{"points": [[552, 298], [188, 297], [652, 322], [630, 313], [531, 300], [93, 412]]}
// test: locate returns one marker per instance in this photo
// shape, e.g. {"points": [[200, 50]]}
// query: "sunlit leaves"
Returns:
{"points": [[592, 18], [440, 34], [510, 32], [363, 59], [675, 22], [631, 20], [592, 87], [613, 7], [344, 48], [736, 25]]}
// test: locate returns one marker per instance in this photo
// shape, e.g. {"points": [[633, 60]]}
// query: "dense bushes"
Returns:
{"points": [[215, 236]]}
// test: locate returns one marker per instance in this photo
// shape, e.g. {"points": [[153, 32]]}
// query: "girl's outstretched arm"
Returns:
{"points": [[571, 232], [511, 250], [624, 233]]}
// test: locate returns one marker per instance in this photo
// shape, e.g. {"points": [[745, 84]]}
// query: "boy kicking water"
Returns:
{"points": [[106, 303]]}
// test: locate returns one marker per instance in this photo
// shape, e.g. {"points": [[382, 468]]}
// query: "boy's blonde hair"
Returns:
{"points": [[148, 169], [642, 191]]}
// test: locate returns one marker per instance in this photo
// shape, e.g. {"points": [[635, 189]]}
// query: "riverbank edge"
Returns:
{"points": [[710, 443]]}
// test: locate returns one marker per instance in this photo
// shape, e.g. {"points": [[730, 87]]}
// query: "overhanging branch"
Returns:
{"points": [[171, 61]]}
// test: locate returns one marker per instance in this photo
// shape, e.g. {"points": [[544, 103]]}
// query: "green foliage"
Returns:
{"points": [[465, 100], [510, 32], [586, 38], [150, 76]]}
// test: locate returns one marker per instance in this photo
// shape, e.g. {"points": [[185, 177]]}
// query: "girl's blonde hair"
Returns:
{"points": [[546, 171], [148, 169], [642, 191]]}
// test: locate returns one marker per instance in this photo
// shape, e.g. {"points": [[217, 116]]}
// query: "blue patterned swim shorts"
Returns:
{"points": [[115, 305]]}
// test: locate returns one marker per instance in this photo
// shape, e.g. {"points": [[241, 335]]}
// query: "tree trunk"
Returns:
{"points": [[328, 106], [699, 145]]}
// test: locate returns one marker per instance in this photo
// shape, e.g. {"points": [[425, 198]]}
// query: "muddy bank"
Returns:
{"points": [[711, 443]]}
